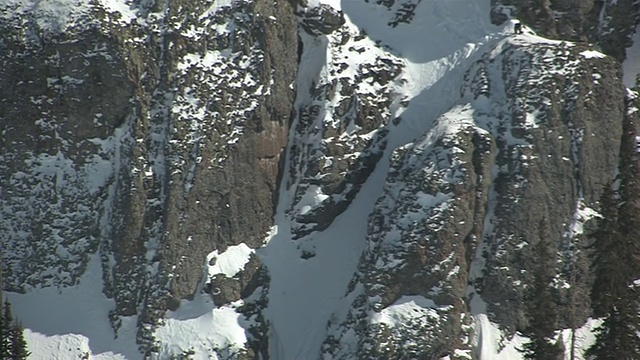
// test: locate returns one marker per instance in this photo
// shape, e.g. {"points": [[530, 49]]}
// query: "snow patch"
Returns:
{"points": [[311, 199], [493, 344], [66, 323], [582, 215], [590, 54], [407, 308], [126, 11], [217, 6], [230, 262], [202, 329]]}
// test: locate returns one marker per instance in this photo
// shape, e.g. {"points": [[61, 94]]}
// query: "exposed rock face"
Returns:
{"points": [[608, 24], [527, 150], [571, 20], [54, 165], [564, 153], [321, 19], [152, 138], [330, 160], [244, 79], [416, 250]]}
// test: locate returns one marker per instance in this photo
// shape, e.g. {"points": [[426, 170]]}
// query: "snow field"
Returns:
{"points": [[200, 326], [69, 322]]}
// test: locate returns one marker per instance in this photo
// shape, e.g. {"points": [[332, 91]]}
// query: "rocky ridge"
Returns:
{"points": [[461, 199], [609, 24]]}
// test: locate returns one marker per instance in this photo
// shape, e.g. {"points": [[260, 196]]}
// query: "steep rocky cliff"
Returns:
{"points": [[609, 23], [463, 204], [309, 179], [150, 134]]}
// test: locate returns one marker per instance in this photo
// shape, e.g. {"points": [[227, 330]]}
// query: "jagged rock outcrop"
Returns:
{"points": [[565, 155], [416, 250], [321, 20], [463, 204], [331, 159], [60, 107], [609, 24]]}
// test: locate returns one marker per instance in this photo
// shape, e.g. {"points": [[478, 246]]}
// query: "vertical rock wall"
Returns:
{"points": [[152, 134], [609, 24]]}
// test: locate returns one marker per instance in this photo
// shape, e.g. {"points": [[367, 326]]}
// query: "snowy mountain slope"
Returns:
{"points": [[500, 123], [135, 133], [426, 145], [405, 86], [67, 323], [434, 194]]}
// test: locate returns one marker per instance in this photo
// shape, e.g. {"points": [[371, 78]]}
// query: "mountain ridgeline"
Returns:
{"points": [[158, 136]]}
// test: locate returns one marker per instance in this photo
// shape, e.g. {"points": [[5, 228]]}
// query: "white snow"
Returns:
{"points": [[230, 262], [631, 65], [210, 331], [582, 215], [531, 121], [436, 48], [66, 323], [200, 326], [493, 344], [304, 293], [310, 199], [50, 15], [442, 37], [216, 6], [589, 54], [406, 308], [127, 12]]}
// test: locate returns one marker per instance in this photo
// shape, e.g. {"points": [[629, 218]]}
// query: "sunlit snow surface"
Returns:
{"points": [[406, 308], [66, 323], [592, 54], [439, 44], [200, 326], [230, 262]]}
